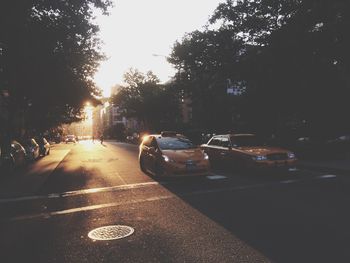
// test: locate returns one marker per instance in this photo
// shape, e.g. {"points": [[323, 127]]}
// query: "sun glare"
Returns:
{"points": [[88, 114]]}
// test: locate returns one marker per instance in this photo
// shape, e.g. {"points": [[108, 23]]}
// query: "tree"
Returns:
{"points": [[155, 105], [205, 61], [290, 53], [49, 54]]}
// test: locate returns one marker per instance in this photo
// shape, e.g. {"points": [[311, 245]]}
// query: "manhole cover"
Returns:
{"points": [[110, 232]]}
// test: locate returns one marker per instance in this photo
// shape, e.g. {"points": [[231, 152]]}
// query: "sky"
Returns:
{"points": [[137, 29]]}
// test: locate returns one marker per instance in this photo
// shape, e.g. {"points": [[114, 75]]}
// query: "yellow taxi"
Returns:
{"points": [[246, 150], [172, 154]]}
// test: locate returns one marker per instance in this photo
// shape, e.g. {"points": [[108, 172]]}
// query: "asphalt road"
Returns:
{"points": [[49, 208]]}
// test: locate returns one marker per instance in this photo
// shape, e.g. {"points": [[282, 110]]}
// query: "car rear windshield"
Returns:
{"points": [[171, 143], [246, 141]]}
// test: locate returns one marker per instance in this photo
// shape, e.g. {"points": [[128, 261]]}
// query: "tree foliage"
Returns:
{"points": [[290, 53], [49, 54], [153, 104], [205, 60]]}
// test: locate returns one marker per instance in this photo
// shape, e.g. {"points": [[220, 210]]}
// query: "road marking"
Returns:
{"points": [[216, 177], [327, 176], [136, 186], [81, 192], [288, 181], [158, 198]]}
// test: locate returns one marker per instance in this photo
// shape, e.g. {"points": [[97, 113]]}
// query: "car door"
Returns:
{"points": [[224, 151], [238, 158], [46, 146], [213, 149], [18, 153], [36, 151], [145, 155], [153, 155]]}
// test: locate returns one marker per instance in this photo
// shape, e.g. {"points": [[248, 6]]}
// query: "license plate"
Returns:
{"points": [[279, 164], [191, 166]]}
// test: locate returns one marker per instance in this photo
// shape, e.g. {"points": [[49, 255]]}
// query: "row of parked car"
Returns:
{"points": [[23, 151]]}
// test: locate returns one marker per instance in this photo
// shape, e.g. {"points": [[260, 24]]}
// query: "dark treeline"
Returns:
{"points": [[49, 52], [289, 59]]}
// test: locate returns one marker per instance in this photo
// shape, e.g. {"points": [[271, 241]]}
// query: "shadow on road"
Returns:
{"points": [[285, 222]]}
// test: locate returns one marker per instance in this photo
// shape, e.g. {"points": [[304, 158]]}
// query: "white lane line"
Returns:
{"points": [[136, 186], [327, 176], [88, 208], [24, 198], [288, 181], [81, 192], [216, 177], [156, 198]]}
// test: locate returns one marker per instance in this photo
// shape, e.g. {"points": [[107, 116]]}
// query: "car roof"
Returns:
{"points": [[242, 134], [234, 135]]}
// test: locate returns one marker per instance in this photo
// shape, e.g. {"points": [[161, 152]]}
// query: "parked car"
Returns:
{"points": [[32, 149], [15, 158], [70, 138], [246, 151], [44, 146], [169, 153]]}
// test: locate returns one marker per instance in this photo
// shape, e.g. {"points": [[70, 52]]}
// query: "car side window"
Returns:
{"points": [[233, 142], [225, 142], [214, 142]]}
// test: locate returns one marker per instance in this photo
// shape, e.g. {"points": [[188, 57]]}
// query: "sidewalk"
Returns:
{"points": [[28, 179], [335, 166]]}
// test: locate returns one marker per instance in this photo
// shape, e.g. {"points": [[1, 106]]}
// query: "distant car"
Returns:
{"points": [[70, 138], [169, 153], [32, 149], [246, 151], [15, 158], [44, 146]]}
